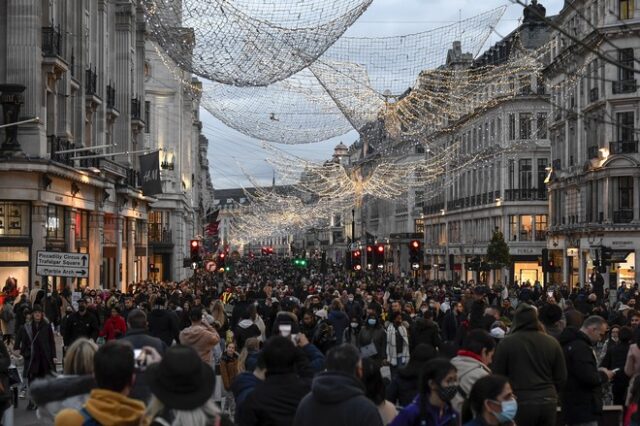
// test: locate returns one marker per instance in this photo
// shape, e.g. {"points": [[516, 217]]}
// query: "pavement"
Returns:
{"points": [[20, 416]]}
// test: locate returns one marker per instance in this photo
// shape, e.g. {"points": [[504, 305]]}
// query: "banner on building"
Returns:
{"points": [[150, 173]]}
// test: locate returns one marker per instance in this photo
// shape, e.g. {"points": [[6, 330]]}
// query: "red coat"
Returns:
{"points": [[114, 327]]}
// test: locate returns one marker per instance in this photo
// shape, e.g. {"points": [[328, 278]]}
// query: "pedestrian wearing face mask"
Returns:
{"points": [[372, 340], [491, 403], [432, 405], [80, 324]]}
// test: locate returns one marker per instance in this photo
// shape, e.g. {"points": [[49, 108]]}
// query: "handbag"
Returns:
{"points": [[14, 376]]}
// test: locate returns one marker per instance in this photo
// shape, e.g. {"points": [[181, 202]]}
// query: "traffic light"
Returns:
{"points": [[378, 256], [194, 250], [606, 253], [415, 254], [300, 263]]}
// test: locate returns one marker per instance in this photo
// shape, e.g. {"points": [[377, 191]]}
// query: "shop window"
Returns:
{"points": [[14, 219], [541, 227], [55, 222], [513, 228], [526, 228], [82, 227], [14, 254], [626, 9]]}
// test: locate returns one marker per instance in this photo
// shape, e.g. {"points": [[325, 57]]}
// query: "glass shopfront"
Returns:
{"points": [[15, 219], [15, 242]]}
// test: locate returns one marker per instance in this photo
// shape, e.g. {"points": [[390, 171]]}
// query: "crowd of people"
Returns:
{"points": [[271, 343]]}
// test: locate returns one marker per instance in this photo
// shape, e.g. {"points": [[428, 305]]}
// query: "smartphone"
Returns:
{"points": [[137, 353], [615, 370]]}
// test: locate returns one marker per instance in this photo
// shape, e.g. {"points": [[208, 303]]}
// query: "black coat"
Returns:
{"points": [[164, 325], [76, 326], [404, 387], [582, 395], [424, 331], [337, 399], [41, 347], [274, 401]]}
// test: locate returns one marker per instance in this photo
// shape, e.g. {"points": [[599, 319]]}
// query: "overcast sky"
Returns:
{"points": [[228, 147]]}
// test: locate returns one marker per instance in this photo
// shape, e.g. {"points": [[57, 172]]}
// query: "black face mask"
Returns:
{"points": [[82, 309]]}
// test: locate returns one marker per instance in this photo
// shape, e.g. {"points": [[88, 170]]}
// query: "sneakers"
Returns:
{"points": [[23, 394]]}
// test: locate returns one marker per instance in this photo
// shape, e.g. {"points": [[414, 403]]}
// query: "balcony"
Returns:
{"points": [[160, 234], [52, 42], [133, 178], [623, 147], [136, 109], [594, 94], [592, 152], [526, 194], [623, 216], [60, 144], [623, 86], [91, 82]]}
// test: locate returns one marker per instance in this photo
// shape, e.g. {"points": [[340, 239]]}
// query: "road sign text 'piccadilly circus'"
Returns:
{"points": [[62, 264]]}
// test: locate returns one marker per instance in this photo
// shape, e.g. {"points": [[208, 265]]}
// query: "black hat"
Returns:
{"points": [[37, 308], [181, 381]]}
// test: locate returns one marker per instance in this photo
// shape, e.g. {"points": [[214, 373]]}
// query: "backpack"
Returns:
{"points": [[87, 419]]}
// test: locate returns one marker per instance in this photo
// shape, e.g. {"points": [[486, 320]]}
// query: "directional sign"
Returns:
{"points": [[61, 264], [210, 266]]}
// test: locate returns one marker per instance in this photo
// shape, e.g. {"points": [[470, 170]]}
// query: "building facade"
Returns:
{"points": [[595, 184], [79, 68], [503, 191]]}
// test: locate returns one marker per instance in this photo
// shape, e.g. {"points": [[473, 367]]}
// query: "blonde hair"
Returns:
{"points": [[252, 344], [79, 357], [217, 312]]}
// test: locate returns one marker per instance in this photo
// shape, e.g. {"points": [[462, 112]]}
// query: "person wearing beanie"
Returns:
{"points": [[534, 363]]}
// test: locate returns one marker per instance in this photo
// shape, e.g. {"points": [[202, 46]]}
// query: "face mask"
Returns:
{"points": [[371, 321], [351, 299], [447, 393], [354, 325], [82, 308], [423, 310], [509, 410]]}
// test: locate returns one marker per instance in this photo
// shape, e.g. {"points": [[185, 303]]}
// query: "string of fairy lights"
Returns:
{"points": [[283, 72]]}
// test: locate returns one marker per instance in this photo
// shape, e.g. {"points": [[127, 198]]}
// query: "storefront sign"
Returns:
{"points": [[622, 244], [113, 168], [527, 251], [150, 173], [61, 264]]}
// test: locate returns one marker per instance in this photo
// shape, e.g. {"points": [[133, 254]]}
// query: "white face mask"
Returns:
{"points": [[354, 325]]}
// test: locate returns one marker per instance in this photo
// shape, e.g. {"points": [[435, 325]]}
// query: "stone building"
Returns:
{"points": [[595, 183], [82, 69]]}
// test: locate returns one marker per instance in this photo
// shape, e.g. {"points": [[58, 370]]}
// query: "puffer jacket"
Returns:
{"points": [[469, 371]]}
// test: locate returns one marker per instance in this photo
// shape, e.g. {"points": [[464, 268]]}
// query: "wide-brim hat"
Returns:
{"points": [[181, 381]]}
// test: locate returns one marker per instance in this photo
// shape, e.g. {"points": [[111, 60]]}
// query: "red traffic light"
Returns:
{"points": [[380, 248], [369, 249], [356, 253], [415, 244], [194, 243], [222, 255]]}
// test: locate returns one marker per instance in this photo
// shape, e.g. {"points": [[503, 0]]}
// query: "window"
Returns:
{"points": [[55, 222], [512, 127], [526, 228], [14, 219], [626, 9], [625, 126], [541, 227], [159, 226], [625, 71], [625, 193], [511, 173], [147, 116], [543, 163], [82, 227], [513, 228], [525, 177], [542, 125], [525, 125]]}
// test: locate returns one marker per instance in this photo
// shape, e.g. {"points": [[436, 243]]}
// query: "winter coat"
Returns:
{"points": [[582, 396], [106, 408], [38, 348], [202, 338], [340, 322], [274, 401], [164, 325], [52, 395], [378, 337], [241, 387], [337, 399], [532, 360], [392, 349], [404, 387], [424, 331], [140, 338], [245, 330], [78, 325], [410, 416], [228, 370], [7, 319], [469, 371], [114, 328]]}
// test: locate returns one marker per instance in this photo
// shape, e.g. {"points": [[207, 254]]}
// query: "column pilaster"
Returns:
{"points": [[96, 239]]}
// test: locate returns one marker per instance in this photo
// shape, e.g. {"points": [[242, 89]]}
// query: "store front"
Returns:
{"points": [[15, 242]]}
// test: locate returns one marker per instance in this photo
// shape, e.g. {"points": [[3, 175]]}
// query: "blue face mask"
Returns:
{"points": [[371, 321], [509, 410]]}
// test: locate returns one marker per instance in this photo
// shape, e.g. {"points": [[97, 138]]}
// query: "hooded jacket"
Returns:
{"points": [[469, 371], [245, 330], [532, 360], [164, 325], [337, 399], [582, 397], [52, 395], [202, 338], [107, 408]]}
